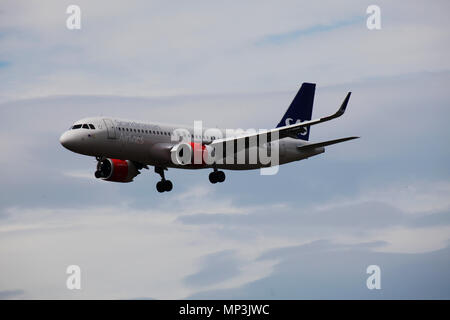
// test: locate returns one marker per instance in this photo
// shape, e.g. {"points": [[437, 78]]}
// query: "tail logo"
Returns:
{"points": [[290, 121]]}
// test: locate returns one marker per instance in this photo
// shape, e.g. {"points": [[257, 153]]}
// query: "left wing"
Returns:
{"points": [[282, 132]]}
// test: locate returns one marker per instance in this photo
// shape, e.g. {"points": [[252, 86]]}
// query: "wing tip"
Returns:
{"points": [[344, 104]]}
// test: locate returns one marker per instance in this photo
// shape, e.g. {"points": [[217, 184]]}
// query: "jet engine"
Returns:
{"points": [[116, 170]]}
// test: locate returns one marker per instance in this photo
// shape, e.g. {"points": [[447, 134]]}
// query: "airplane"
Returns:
{"points": [[123, 148]]}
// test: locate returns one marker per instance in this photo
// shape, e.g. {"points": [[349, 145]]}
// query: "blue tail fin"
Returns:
{"points": [[300, 109]]}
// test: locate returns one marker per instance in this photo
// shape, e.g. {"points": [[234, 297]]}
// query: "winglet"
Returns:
{"points": [[341, 110]]}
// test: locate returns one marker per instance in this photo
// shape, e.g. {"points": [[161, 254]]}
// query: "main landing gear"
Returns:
{"points": [[163, 185], [166, 185], [216, 176]]}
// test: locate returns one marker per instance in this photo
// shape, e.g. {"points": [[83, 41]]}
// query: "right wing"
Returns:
{"points": [[282, 132]]}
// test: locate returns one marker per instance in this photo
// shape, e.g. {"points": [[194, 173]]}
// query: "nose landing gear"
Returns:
{"points": [[163, 185], [216, 176]]}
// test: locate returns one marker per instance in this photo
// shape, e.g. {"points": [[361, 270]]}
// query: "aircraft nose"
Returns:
{"points": [[67, 140]]}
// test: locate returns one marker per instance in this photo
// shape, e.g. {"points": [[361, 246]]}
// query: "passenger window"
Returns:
{"points": [[91, 126], [85, 126]]}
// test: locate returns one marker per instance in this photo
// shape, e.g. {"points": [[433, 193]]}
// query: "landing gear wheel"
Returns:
{"points": [[160, 186], [168, 185], [220, 176], [217, 176], [164, 185], [213, 177], [98, 174]]}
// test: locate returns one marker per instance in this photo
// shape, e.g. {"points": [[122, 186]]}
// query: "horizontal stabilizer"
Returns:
{"points": [[325, 143]]}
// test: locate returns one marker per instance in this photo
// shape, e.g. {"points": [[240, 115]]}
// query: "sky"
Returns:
{"points": [[308, 232]]}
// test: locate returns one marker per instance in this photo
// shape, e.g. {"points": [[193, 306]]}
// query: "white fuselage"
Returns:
{"points": [[150, 143]]}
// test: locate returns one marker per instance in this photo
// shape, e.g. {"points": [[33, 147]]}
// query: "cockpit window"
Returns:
{"points": [[85, 126], [77, 126], [91, 126]]}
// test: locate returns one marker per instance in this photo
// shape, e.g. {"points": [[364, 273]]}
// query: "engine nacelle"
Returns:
{"points": [[116, 170], [192, 153]]}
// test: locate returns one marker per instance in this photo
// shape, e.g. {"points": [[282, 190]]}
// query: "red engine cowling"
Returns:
{"points": [[116, 170], [192, 153]]}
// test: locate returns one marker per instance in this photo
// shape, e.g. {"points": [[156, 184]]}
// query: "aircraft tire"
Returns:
{"points": [[213, 177], [160, 186], [168, 185], [220, 176]]}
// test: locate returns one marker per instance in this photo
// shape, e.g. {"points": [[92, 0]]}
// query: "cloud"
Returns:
{"points": [[413, 198], [382, 199], [107, 241], [323, 270], [363, 218], [217, 267], [191, 58], [281, 38], [419, 204]]}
